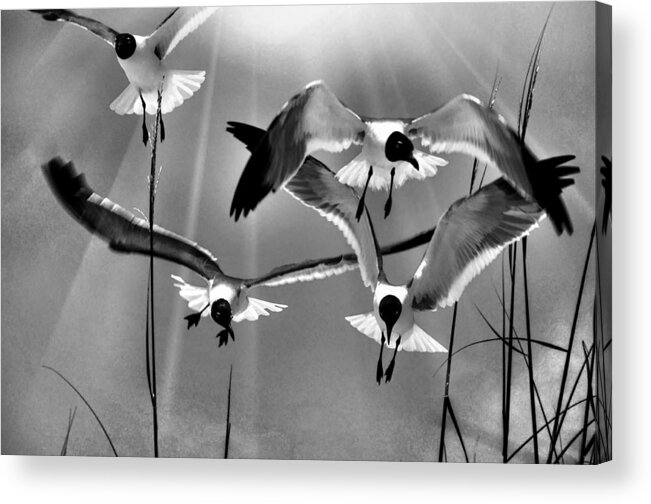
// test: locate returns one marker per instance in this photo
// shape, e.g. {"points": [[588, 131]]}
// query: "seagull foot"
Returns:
{"points": [[223, 338], [145, 133], [387, 207], [379, 373], [193, 319], [389, 373]]}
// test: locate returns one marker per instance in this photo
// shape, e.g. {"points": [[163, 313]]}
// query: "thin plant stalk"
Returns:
{"points": [[71, 419], [227, 439], [151, 338], [81, 396], [446, 398], [532, 400], [556, 429]]}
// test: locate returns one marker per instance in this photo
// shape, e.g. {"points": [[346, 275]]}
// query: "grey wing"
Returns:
{"points": [[468, 237], [178, 25], [123, 231], [100, 29], [465, 125], [316, 187], [312, 120]]}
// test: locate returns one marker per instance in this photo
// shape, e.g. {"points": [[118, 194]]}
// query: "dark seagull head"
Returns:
{"points": [[221, 312], [125, 45], [390, 309], [399, 148]]}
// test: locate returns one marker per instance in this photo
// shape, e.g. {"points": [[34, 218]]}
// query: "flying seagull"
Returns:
{"points": [[315, 119], [225, 298], [471, 234], [142, 59]]}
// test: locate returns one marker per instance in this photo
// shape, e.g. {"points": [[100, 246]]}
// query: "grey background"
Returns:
{"points": [[303, 380]]}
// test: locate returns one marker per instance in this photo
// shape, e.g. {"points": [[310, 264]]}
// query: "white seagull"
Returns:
{"points": [[142, 59], [315, 119], [226, 296], [471, 234]]}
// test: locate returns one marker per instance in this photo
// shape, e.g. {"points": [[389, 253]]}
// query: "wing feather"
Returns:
{"points": [[104, 32], [468, 237], [175, 27], [311, 120], [123, 231], [465, 125]]}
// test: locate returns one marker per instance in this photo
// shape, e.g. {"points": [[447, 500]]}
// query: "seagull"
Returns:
{"points": [[142, 59], [315, 119], [225, 298], [469, 235]]}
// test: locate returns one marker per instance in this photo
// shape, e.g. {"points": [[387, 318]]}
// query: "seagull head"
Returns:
{"points": [[221, 312], [399, 148], [390, 309], [125, 45]]}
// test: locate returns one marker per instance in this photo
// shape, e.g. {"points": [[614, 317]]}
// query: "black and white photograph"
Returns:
{"points": [[366, 232]]}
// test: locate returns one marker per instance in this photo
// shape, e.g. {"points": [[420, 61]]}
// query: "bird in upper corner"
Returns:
{"points": [[142, 59], [471, 234], [225, 298], [315, 119]]}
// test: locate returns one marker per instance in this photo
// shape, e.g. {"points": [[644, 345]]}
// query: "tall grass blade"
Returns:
{"points": [[566, 366], [227, 439], [81, 396], [532, 401], [71, 419], [151, 335], [446, 397]]}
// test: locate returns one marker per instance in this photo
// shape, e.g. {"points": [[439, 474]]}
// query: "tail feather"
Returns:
{"points": [[414, 340], [179, 86], [197, 297], [258, 308], [549, 177]]}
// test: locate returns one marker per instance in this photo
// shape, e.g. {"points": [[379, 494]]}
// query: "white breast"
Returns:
{"points": [[406, 319]]}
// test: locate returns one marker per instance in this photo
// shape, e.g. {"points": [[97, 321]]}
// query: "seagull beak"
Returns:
{"points": [[413, 163], [389, 330]]}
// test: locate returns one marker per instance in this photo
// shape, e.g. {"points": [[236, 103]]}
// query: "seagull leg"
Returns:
{"points": [[380, 371], [145, 133], [392, 365], [360, 207], [160, 116], [387, 205]]}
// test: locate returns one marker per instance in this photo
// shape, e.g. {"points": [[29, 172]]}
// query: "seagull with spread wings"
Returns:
{"points": [[315, 119], [471, 234], [225, 298], [142, 59]]}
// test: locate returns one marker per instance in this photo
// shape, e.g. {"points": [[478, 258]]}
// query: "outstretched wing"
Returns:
{"points": [[465, 125], [106, 33], [316, 186], [179, 24], [468, 237], [123, 231], [312, 120]]}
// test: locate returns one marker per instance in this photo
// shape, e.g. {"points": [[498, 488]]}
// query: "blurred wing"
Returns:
{"points": [[120, 228], [178, 25], [100, 29], [465, 125], [468, 237], [317, 187], [312, 120]]}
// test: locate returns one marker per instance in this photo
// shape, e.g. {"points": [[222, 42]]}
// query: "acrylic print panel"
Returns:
{"points": [[529, 348]]}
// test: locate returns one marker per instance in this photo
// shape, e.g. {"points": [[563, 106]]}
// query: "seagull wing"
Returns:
{"points": [[176, 26], [468, 237], [100, 29], [312, 120], [316, 186], [123, 231], [465, 125]]}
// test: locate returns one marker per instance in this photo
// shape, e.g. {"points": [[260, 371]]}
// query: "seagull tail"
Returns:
{"points": [[197, 297], [179, 86]]}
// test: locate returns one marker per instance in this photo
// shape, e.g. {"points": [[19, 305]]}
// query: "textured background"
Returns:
{"points": [[303, 380]]}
